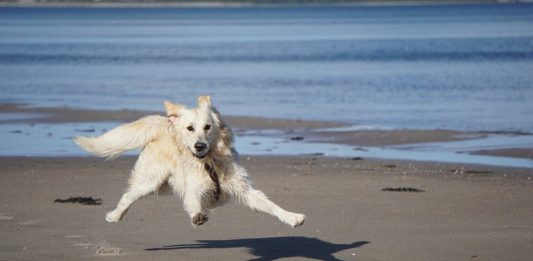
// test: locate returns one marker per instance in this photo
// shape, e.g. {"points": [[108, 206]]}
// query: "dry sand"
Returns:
{"points": [[464, 213]]}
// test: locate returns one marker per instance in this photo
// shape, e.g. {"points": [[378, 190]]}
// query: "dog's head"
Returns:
{"points": [[198, 129]]}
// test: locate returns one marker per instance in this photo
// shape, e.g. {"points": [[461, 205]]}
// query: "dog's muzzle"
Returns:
{"points": [[200, 150]]}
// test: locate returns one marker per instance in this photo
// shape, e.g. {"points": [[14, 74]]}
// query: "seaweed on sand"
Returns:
{"points": [[80, 200]]}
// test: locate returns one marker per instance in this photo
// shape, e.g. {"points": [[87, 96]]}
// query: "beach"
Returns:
{"points": [[473, 212], [464, 213], [403, 132]]}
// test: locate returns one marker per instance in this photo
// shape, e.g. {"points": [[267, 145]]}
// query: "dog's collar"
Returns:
{"points": [[214, 177]]}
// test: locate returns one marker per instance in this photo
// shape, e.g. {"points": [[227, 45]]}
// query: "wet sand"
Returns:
{"points": [[515, 153], [464, 213], [391, 137], [313, 131], [66, 115]]}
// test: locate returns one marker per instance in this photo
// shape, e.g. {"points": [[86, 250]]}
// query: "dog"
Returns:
{"points": [[192, 151]]}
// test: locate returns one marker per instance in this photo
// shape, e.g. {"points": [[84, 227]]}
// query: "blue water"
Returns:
{"points": [[49, 139], [430, 67]]}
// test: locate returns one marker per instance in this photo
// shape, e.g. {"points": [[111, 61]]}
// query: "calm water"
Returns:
{"points": [[48, 140], [446, 67]]}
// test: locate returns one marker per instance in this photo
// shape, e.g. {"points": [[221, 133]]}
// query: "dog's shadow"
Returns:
{"points": [[272, 248]]}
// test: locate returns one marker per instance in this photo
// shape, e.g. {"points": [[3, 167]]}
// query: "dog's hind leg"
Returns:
{"points": [[258, 201], [133, 194], [145, 179], [242, 189]]}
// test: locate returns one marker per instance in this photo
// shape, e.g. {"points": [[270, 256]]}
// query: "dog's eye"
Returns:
{"points": [[190, 128], [207, 127]]}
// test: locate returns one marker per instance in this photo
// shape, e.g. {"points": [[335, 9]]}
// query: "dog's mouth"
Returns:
{"points": [[199, 156]]}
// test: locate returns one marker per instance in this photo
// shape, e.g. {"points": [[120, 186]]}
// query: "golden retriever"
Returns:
{"points": [[191, 150]]}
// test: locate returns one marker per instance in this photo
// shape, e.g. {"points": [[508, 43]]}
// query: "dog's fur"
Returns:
{"points": [[175, 150]]}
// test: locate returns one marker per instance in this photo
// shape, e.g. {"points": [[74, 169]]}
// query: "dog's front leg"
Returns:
{"points": [[193, 205]]}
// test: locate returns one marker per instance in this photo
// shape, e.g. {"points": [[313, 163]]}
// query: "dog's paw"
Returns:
{"points": [[199, 219], [113, 217], [296, 220]]}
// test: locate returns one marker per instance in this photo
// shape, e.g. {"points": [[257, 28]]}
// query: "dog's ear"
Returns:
{"points": [[173, 110], [204, 101]]}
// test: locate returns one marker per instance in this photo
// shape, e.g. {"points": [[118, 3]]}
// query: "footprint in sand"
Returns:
{"points": [[78, 241], [85, 245], [103, 248]]}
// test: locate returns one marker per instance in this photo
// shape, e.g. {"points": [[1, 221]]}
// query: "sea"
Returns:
{"points": [[452, 67], [456, 67]]}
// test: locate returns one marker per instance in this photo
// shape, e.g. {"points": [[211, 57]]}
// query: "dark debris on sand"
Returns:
{"points": [[408, 189], [296, 138], [80, 200]]}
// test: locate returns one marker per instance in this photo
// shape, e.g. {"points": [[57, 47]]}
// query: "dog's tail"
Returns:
{"points": [[125, 137]]}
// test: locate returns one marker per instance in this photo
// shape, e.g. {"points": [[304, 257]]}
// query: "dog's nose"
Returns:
{"points": [[199, 146]]}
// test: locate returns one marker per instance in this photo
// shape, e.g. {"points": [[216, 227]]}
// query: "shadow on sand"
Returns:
{"points": [[272, 248]]}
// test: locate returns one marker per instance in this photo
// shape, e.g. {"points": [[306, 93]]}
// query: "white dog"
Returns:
{"points": [[191, 150]]}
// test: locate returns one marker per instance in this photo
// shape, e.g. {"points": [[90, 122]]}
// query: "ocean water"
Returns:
{"points": [[426, 67], [50, 139]]}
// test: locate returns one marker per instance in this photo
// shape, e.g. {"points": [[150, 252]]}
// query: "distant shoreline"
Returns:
{"points": [[223, 4]]}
